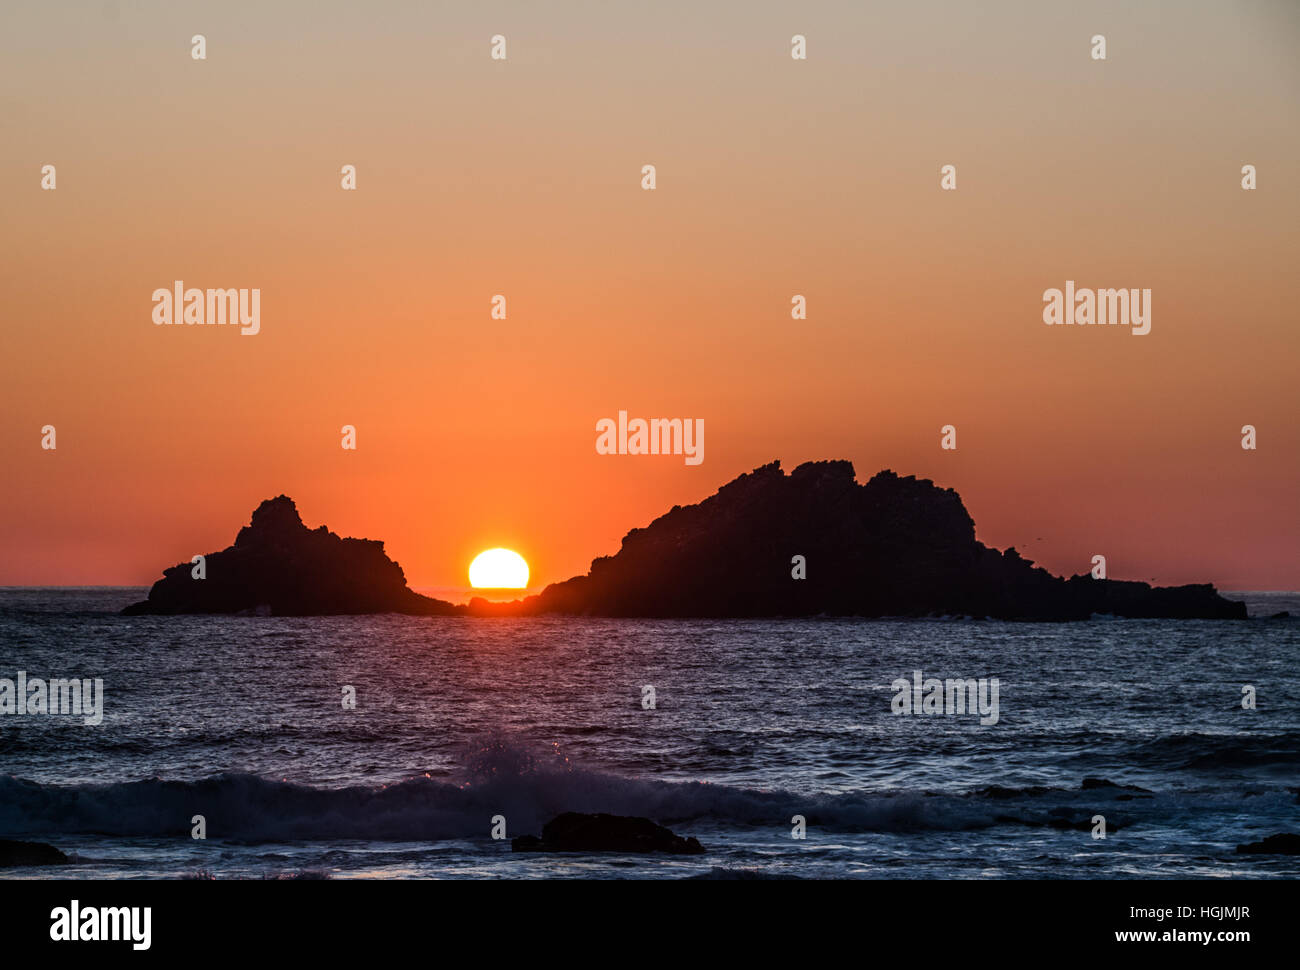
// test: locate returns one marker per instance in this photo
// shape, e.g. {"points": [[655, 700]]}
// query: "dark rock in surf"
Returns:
{"points": [[29, 854], [1096, 784], [579, 832], [1285, 843], [1058, 819]]}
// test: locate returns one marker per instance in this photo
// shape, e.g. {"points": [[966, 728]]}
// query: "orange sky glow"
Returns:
{"points": [[522, 178]]}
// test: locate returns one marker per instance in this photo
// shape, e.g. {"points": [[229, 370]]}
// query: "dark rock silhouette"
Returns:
{"points": [[29, 854], [579, 832], [1061, 822], [892, 547], [1285, 843], [1103, 784], [279, 567]]}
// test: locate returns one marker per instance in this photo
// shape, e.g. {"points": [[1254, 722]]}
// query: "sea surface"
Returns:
{"points": [[459, 720]]}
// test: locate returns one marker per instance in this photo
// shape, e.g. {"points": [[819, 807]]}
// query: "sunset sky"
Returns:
{"points": [[523, 177]]}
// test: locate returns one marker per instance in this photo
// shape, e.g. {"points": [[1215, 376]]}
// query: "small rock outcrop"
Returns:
{"points": [[14, 853], [279, 567], [579, 832], [1285, 843]]}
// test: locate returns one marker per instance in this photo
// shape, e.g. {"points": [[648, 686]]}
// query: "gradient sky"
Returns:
{"points": [[522, 177]]}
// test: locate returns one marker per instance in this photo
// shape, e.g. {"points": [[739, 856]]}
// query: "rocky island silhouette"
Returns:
{"points": [[894, 546]]}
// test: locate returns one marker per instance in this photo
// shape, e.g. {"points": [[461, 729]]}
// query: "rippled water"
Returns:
{"points": [[458, 720]]}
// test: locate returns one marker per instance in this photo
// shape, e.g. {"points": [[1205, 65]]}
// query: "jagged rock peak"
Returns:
{"points": [[275, 518], [837, 470]]}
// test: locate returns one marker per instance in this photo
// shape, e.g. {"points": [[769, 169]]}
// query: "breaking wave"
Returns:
{"points": [[528, 792]]}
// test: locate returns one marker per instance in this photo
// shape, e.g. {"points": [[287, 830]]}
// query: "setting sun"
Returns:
{"points": [[498, 569]]}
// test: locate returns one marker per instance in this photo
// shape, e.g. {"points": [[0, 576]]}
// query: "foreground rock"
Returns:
{"points": [[279, 567], [1283, 844], [892, 547], [29, 854], [577, 832]]}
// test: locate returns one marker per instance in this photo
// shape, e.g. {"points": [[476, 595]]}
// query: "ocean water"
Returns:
{"points": [[459, 720]]}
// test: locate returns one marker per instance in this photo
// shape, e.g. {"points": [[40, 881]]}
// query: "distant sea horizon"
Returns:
{"points": [[1258, 602]]}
